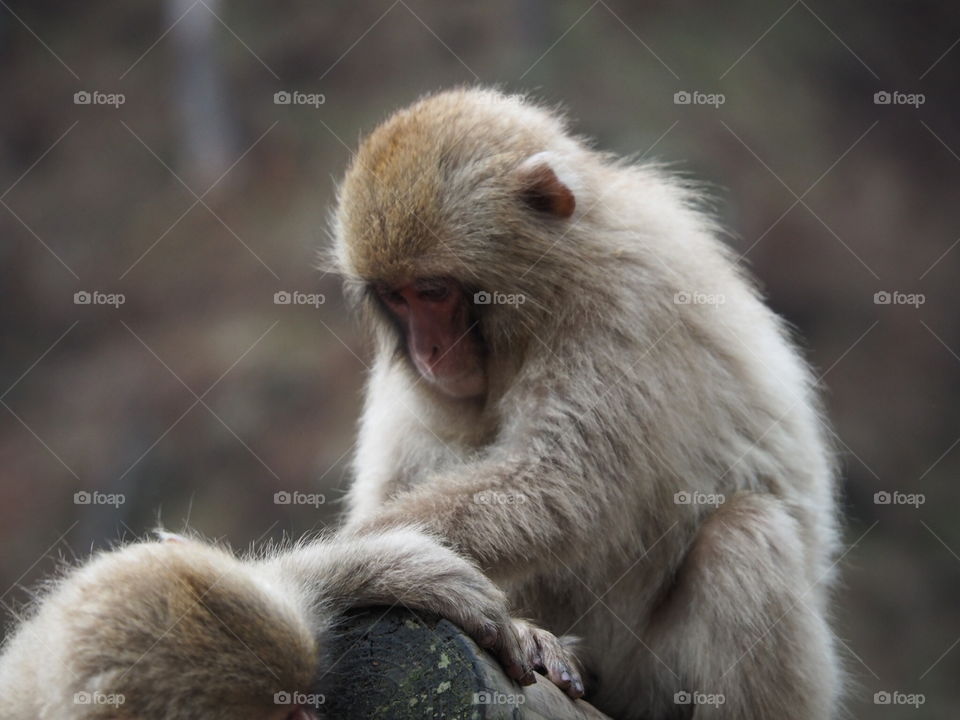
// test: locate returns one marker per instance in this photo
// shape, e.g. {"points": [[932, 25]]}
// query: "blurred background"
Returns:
{"points": [[166, 169]]}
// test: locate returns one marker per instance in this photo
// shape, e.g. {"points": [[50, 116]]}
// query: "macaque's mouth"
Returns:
{"points": [[463, 385]]}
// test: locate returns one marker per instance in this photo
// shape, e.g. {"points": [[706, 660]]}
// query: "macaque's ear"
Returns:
{"points": [[170, 537], [542, 189]]}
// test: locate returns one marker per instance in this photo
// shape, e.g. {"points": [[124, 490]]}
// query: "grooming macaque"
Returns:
{"points": [[181, 630], [575, 386]]}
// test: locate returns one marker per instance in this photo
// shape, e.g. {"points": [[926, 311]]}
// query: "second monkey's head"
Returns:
{"points": [[445, 228]]}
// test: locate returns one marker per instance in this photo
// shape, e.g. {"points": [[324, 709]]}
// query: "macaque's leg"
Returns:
{"points": [[744, 626]]}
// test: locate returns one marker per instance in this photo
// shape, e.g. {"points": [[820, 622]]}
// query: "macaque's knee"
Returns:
{"points": [[743, 622]]}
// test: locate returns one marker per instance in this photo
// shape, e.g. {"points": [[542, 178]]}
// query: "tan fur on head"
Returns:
{"points": [[430, 180], [163, 625]]}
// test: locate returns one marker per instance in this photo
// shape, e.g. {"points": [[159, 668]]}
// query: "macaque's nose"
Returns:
{"points": [[429, 342], [427, 357]]}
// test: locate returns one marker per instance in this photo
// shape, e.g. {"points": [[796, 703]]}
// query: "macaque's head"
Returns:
{"points": [[216, 644], [444, 218]]}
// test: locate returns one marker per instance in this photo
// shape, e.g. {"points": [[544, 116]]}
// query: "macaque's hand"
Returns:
{"points": [[551, 656]]}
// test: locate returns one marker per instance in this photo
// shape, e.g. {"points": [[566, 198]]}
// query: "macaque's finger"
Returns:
{"points": [[511, 654], [561, 668], [552, 657]]}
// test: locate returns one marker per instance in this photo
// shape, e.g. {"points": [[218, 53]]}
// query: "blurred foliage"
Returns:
{"points": [[199, 398]]}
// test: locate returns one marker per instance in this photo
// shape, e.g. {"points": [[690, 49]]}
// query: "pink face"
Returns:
{"points": [[442, 342]]}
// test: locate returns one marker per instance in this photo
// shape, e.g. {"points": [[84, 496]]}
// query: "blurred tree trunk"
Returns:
{"points": [[205, 139], [532, 21]]}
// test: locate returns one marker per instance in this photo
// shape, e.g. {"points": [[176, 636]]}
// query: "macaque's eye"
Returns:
{"points": [[434, 294], [394, 300]]}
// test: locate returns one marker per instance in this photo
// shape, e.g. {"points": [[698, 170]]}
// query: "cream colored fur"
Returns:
{"points": [[608, 395]]}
